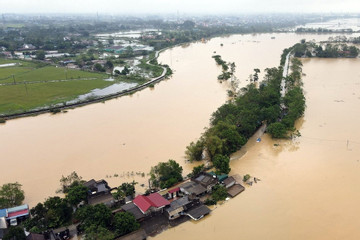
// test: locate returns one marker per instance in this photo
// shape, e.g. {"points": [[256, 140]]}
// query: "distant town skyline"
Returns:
{"points": [[182, 6]]}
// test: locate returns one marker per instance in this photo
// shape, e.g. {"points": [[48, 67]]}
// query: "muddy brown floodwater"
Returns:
{"points": [[307, 188]]}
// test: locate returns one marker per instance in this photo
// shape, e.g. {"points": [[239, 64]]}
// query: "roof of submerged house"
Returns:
{"points": [[134, 210], [152, 200]]}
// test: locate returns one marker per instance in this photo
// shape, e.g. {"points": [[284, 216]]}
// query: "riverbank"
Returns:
{"points": [[113, 135], [91, 100]]}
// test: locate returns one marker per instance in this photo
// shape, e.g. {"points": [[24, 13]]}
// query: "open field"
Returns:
{"points": [[34, 72], [34, 89], [20, 98]]}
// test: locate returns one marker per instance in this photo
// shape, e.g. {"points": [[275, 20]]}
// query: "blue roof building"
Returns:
{"points": [[3, 213]]}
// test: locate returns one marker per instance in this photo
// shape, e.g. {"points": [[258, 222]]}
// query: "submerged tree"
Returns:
{"points": [[166, 174]]}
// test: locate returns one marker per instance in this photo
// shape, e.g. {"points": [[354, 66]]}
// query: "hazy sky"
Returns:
{"points": [[172, 6]]}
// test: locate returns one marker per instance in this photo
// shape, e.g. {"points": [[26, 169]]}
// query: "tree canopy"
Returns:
{"points": [[124, 223], [77, 193], [124, 190], [53, 213], [11, 195], [15, 233], [166, 174]]}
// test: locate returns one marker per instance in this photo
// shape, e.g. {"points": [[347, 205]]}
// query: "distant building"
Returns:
{"points": [[27, 46]]}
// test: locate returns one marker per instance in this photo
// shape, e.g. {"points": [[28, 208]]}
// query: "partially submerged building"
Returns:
{"points": [[198, 212], [151, 203], [193, 189], [207, 180], [178, 207], [134, 210], [99, 192]]}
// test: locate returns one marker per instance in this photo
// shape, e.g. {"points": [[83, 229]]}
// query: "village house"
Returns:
{"points": [[198, 212], [134, 210], [99, 192], [17, 214], [193, 189], [178, 207], [207, 180], [151, 203]]}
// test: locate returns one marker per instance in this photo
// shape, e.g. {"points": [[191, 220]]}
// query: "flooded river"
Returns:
{"points": [[307, 188]]}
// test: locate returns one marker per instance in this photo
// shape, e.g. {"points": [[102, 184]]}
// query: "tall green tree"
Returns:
{"points": [[77, 193], [194, 150], [11, 195], [124, 223], [221, 163], [166, 174], [98, 215], [68, 181], [95, 232], [15, 233], [124, 190]]}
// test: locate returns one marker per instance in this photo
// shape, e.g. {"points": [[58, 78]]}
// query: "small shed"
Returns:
{"points": [[235, 190], [198, 212], [177, 207]]}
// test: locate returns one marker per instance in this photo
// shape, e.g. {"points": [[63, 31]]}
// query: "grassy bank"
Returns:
{"points": [[39, 85], [21, 98]]}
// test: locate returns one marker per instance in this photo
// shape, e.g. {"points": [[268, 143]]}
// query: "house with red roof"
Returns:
{"points": [[151, 203]]}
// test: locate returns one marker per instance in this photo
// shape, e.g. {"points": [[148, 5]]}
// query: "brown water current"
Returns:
{"points": [[309, 186], [306, 185]]}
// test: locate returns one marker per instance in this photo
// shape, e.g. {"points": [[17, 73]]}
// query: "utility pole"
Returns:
{"points": [[26, 88], [14, 79]]}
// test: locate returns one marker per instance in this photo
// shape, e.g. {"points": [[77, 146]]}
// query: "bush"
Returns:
{"points": [[219, 193], [246, 177]]}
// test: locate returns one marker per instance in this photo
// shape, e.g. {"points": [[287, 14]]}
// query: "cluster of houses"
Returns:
{"points": [[183, 202]]}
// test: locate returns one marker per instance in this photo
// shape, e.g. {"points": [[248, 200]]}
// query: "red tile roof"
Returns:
{"points": [[174, 190], [153, 200], [18, 213]]}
